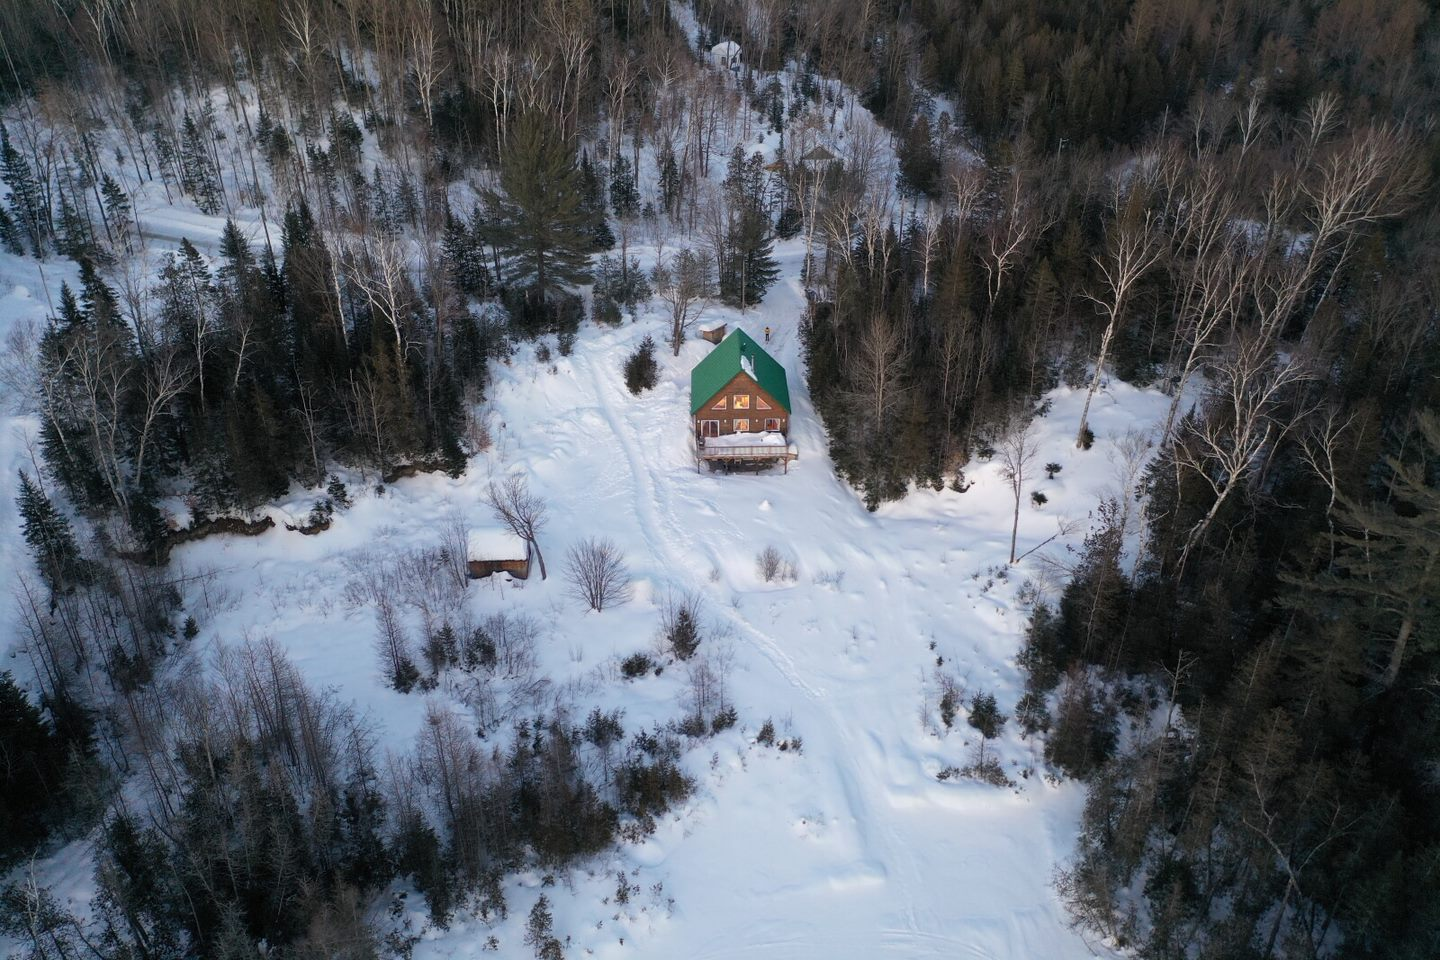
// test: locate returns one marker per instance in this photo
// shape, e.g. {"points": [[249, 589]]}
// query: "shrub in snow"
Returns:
{"points": [[680, 623], [636, 665], [597, 573], [337, 492], [772, 565], [766, 736], [724, 720], [1087, 438], [641, 371], [985, 715], [1038, 499], [1051, 469], [950, 698]]}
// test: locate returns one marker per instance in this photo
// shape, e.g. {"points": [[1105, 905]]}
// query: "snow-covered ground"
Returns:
{"points": [[850, 848]]}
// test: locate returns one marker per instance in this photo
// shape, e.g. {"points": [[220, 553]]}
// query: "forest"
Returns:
{"points": [[1230, 202]]}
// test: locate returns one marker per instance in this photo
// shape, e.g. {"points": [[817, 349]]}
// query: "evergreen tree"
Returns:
{"points": [[463, 254], [36, 757], [199, 178], [10, 234], [117, 211], [592, 192], [50, 538], [748, 266], [28, 206], [543, 228], [641, 371], [671, 187], [919, 161], [624, 195]]}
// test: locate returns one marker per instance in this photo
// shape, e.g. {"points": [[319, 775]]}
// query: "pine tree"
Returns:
{"points": [[49, 537], [543, 228], [592, 193], [199, 177], [117, 211], [919, 161], [641, 371], [51, 540], [32, 775], [671, 186], [748, 266], [28, 206], [624, 195], [10, 234]]}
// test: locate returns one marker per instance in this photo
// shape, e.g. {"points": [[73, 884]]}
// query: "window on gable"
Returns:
{"points": [[760, 402], [721, 404], [742, 402]]}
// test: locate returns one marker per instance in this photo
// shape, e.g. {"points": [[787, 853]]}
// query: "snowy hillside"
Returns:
{"points": [[851, 847]]}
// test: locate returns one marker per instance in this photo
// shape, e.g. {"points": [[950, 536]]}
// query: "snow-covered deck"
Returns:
{"points": [[746, 449]]}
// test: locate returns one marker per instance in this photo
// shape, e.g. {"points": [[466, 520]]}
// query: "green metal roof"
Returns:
{"points": [[737, 353]]}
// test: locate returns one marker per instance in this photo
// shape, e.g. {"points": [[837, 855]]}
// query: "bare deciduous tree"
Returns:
{"points": [[687, 285], [521, 511], [1133, 249], [1017, 450], [597, 573]]}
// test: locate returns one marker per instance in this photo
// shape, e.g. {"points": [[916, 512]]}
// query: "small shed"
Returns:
{"points": [[493, 550], [726, 54], [818, 157], [713, 333]]}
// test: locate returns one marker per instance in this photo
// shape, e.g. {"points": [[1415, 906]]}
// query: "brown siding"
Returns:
{"points": [[742, 385], [519, 569]]}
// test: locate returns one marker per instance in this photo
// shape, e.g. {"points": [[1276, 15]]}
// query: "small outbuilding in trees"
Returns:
{"points": [[740, 406], [493, 550], [726, 54]]}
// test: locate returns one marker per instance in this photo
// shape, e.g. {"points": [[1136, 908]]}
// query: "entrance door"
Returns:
{"points": [[709, 428]]}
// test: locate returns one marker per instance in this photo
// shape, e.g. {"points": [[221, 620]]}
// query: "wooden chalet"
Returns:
{"points": [[740, 407], [497, 551]]}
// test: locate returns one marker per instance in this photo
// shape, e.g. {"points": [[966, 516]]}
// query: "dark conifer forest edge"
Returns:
{"points": [[1230, 202]]}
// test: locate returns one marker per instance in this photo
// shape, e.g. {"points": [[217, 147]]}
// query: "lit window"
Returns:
{"points": [[772, 425], [742, 426], [742, 401]]}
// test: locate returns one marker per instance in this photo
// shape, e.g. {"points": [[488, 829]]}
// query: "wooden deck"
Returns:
{"points": [[731, 457]]}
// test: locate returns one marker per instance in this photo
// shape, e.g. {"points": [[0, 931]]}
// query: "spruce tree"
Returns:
{"points": [[50, 538], [32, 774], [543, 229], [919, 161], [748, 266], [624, 195], [117, 211], [10, 234], [28, 205]]}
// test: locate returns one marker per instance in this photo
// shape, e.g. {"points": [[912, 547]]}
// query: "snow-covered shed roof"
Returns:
{"points": [[494, 543], [725, 50], [818, 154]]}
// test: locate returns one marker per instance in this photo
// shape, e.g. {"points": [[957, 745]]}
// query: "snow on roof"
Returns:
{"points": [[726, 48], [493, 543]]}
